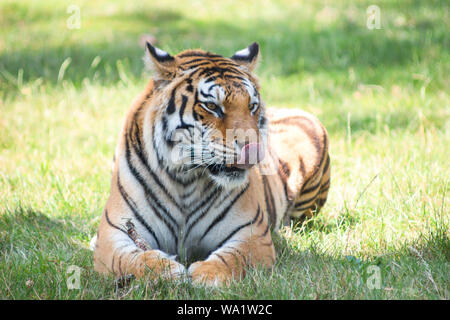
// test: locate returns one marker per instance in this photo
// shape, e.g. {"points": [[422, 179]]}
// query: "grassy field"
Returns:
{"points": [[383, 95]]}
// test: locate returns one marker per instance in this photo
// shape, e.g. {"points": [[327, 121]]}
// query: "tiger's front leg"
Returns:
{"points": [[250, 247], [117, 252]]}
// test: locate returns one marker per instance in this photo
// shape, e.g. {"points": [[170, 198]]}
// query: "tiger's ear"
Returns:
{"points": [[160, 62], [248, 57]]}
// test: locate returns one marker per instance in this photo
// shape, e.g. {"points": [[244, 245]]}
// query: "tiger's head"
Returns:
{"points": [[208, 113]]}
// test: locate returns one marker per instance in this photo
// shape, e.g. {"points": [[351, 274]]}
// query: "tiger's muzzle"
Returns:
{"points": [[250, 154]]}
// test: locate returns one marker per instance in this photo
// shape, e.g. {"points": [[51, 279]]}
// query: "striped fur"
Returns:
{"points": [[197, 213]]}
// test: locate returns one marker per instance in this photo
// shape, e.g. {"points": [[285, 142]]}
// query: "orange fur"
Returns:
{"points": [[297, 149]]}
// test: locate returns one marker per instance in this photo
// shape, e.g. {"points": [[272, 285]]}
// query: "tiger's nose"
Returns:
{"points": [[251, 154]]}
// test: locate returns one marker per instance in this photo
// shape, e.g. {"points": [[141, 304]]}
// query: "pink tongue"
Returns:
{"points": [[251, 153]]}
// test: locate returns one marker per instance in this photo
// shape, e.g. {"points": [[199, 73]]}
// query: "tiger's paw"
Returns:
{"points": [[210, 273], [158, 264]]}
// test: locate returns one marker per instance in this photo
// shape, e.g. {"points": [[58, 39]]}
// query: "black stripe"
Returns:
{"points": [[235, 77], [327, 164], [223, 260], [113, 225], [237, 229], [161, 216], [167, 138], [320, 162], [205, 211], [158, 156], [150, 195], [262, 218], [188, 194], [195, 115], [235, 250], [299, 204], [300, 122], [183, 107], [194, 60], [306, 208], [161, 165], [206, 95], [222, 215], [321, 202], [205, 201], [199, 54], [262, 121], [171, 105], [131, 205], [207, 190], [193, 73], [325, 187], [312, 188], [227, 63], [235, 73], [172, 176], [302, 166], [284, 172], [210, 79], [270, 204], [324, 153], [140, 151], [176, 179], [195, 63]]}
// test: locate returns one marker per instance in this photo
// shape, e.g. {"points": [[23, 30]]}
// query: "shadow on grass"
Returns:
{"points": [[28, 229], [36, 247], [416, 269], [24, 221]]}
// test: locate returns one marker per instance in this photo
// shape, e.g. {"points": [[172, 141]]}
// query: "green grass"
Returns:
{"points": [[382, 94]]}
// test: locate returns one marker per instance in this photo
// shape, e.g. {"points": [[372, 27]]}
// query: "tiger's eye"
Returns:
{"points": [[254, 106], [211, 106]]}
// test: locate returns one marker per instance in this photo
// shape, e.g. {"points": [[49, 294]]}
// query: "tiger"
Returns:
{"points": [[203, 172]]}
